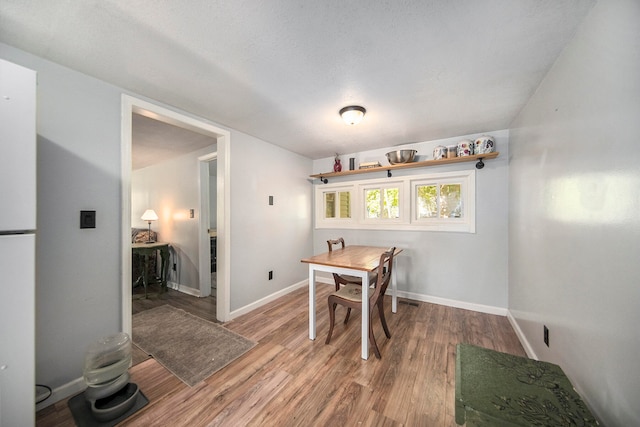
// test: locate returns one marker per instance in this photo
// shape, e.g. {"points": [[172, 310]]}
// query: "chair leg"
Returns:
{"points": [[383, 320], [372, 338], [346, 318], [335, 279], [332, 319]]}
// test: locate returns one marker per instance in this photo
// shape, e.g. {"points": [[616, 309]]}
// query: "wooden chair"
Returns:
{"points": [[350, 296], [345, 279]]}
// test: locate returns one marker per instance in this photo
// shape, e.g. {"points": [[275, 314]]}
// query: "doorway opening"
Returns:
{"points": [[208, 166], [131, 105]]}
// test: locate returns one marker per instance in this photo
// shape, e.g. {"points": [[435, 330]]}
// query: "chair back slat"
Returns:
{"points": [[332, 243], [384, 274]]}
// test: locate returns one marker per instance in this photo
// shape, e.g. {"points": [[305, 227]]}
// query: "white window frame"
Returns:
{"points": [[337, 222], [407, 204], [467, 222], [381, 185]]}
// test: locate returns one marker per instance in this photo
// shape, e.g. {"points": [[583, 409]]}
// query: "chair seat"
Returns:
{"points": [[357, 280], [350, 292]]}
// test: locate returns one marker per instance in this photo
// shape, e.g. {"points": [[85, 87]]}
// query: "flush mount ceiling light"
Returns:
{"points": [[353, 114]]}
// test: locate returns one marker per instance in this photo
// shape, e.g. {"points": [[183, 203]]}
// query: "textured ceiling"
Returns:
{"points": [[280, 70], [155, 142]]}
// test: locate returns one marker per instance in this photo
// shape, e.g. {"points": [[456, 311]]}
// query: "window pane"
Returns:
{"points": [[426, 202], [390, 206], [345, 204], [329, 205], [427, 198], [372, 199], [450, 201]]}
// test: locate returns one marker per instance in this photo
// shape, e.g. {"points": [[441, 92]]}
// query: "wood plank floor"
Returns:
{"points": [[288, 380]]}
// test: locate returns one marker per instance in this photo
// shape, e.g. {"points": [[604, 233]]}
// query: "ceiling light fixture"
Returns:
{"points": [[353, 114]]}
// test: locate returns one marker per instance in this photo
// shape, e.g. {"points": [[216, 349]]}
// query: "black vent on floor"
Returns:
{"points": [[415, 304]]}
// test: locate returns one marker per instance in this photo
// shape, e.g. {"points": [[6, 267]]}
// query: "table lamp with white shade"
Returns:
{"points": [[149, 215]]}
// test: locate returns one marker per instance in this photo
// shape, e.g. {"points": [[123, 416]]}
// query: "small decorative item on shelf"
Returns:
{"points": [[337, 166], [440, 152], [370, 165], [483, 145], [465, 148], [452, 151]]}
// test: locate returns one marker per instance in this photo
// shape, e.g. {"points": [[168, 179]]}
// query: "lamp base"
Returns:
{"points": [[149, 235]]}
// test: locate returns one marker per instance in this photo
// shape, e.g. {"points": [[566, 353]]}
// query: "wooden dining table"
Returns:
{"points": [[359, 261]]}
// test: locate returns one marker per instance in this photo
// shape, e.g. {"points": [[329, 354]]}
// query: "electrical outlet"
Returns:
{"points": [[271, 275], [546, 335], [270, 200]]}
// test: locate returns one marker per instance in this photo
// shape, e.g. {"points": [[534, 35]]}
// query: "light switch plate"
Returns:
{"points": [[87, 219]]}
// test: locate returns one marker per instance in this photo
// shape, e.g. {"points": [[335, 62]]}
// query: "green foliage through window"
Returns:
{"points": [[427, 201], [439, 201], [382, 203], [450, 201]]}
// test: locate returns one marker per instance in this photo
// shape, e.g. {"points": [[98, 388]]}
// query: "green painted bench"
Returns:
{"points": [[498, 390]]}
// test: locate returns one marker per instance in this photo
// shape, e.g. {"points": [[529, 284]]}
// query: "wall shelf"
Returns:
{"points": [[427, 163]]}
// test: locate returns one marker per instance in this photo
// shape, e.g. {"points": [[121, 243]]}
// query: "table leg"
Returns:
{"points": [[394, 288], [164, 268], [365, 316], [140, 280], [145, 274], [312, 303]]}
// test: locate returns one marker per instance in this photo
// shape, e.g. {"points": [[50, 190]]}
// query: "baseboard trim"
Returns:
{"points": [[66, 390], [184, 289], [274, 296], [523, 339], [500, 311]]}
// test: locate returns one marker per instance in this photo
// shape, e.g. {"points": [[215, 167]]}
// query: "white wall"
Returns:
{"points": [[267, 237], [574, 222], [77, 270], [78, 297], [460, 269], [171, 189]]}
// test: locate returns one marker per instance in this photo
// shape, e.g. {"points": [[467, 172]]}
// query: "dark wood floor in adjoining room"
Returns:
{"points": [[201, 307], [289, 380]]}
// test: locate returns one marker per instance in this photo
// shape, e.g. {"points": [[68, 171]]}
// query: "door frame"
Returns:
{"points": [[130, 105], [204, 244]]}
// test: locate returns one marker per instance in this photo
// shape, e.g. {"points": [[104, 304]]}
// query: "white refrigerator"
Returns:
{"points": [[17, 244]]}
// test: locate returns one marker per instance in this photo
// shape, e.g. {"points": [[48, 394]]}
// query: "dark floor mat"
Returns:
{"points": [[81, 411]]}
